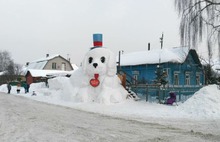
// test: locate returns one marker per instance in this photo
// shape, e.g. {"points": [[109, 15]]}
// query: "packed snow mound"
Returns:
{"points": [[97, 81], [204, 103]]}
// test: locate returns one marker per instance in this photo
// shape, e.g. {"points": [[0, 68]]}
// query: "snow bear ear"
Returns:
{"points": [[111, 66], [84, 64]]}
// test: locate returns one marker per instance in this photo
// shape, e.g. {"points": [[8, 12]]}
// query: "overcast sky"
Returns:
{"points": [[30, 29]]}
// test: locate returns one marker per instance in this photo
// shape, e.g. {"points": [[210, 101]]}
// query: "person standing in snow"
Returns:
{"points": [[28, 86], [9, 87], [18, 88], [25, 87]]}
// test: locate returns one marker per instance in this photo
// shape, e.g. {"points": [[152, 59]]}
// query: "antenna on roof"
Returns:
{"points": [[161, 41], [68, 57], [149, 46]]}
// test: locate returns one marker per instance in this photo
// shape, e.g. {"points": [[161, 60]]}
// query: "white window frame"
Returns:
{"points": [[176, 78], [198, 78], [54, 65], [135, 76], [63, 66], [187, 78]]}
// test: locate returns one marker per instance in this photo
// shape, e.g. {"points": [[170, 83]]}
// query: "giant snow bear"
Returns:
{"points": [[96, 80]]}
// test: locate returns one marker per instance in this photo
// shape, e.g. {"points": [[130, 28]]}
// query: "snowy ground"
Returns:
{"points": [[203, 105], [25, 120], [197, 119]]}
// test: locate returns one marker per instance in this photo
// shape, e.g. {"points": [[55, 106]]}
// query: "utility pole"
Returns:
{"points": [[161, 41]]}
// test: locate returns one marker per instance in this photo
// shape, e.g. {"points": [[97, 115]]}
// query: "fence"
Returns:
{"points": [[9, 78], [154, 92]]}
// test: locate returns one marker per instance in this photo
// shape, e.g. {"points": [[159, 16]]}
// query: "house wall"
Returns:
{"points": [[146, 73], [29, 78], [59, 61]]}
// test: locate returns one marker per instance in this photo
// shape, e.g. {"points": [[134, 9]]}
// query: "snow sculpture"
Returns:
{"points": [[96, 80]]}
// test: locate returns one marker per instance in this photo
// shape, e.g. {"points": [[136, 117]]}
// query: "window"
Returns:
{"points": [[63, 67], [187, 79], [135, 78], [166, 72], [54, 66], [176, 79], [135, 72]]}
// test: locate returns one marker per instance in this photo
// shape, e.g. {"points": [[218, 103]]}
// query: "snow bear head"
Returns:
{"points": [[99, 61]]}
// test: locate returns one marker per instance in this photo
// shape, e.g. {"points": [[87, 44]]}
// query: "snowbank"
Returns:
{"points": [[205, 103], [96, 80]]}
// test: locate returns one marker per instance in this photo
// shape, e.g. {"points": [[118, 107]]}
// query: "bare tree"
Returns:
{"points": [[5, 60], [199, 19], [18, 69], [210, 75], [10, 69]]}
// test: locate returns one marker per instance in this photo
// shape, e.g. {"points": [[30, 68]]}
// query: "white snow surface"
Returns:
{"points": [[45, 73], [96, 80], [176, 55], [40, 63], [203, 105]]}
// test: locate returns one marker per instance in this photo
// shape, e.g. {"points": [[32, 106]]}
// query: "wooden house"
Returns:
{"points": [[180, 66]]}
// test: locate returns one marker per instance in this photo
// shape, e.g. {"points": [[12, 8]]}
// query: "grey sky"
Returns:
{"points": [[29, 29]]}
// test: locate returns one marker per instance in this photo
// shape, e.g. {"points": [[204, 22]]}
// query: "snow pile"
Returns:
{"points": [[205, 103], [97, 81]]}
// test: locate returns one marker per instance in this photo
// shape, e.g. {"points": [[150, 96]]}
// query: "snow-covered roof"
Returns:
{"points": [[40, 63], [75, 67], [46, 73], [1, 73], [175, 55]]}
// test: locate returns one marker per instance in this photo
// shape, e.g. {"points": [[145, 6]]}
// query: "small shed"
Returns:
{"points": [[33, 75]]}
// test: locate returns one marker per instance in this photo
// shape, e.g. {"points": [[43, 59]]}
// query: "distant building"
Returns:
{"points": [[54, 62], [50, 66]]}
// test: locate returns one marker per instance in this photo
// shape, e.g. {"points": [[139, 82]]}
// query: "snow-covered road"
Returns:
{"points": [[25, 120]]}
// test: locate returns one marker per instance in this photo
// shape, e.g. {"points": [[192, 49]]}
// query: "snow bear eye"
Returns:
{"points": [[90, 60], [102, 59]]}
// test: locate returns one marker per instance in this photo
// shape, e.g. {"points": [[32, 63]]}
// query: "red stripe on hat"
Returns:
{"points": [[97, 43]]}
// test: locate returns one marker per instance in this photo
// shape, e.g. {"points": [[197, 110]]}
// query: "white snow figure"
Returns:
{"points": [[97, 80]]}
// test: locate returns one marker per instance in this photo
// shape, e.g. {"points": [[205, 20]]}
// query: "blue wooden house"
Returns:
{"points": [[180, 65]]}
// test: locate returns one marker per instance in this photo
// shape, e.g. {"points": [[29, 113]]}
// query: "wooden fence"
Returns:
{"points": [[154, 92]]}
